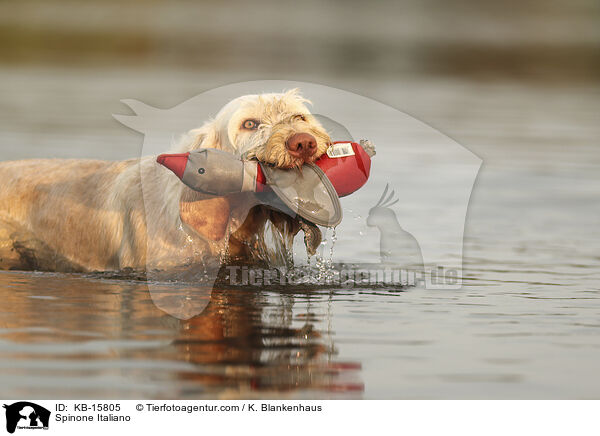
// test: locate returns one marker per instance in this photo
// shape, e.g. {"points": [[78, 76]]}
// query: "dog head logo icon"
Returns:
{"points": [[26, 415]]}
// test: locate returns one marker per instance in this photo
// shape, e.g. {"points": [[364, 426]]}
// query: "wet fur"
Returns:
{"points": [[85, 215]]}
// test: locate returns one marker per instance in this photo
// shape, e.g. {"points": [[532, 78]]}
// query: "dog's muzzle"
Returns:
{"points": [[301, 146]]}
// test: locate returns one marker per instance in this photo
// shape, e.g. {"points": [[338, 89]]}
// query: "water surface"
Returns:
{"points": [[525, 325]]}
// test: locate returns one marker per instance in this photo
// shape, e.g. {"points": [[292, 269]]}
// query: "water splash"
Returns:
{"points": [[333, 241], [323, 269], [273, 249]]}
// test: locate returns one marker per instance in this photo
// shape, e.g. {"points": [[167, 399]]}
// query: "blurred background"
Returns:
{"points": [[517, 82], [525, 40], [457, 65]]}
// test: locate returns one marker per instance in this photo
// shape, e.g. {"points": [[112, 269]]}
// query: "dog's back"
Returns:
{"points": [[51, 209]]}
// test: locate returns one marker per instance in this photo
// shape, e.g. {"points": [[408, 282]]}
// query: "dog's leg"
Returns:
{"points": [[10, 258], [22, 250]]}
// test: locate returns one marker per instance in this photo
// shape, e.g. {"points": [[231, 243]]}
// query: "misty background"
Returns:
{"points": [[531, 39]]}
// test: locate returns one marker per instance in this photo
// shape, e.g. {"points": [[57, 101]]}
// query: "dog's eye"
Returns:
{"points": [[250, 124], [299, 117]]}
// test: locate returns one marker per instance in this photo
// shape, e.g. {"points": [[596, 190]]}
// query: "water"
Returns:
{"points": [[525, 325]]}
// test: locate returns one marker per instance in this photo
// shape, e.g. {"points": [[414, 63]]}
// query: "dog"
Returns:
{"points": [[75, 215]]}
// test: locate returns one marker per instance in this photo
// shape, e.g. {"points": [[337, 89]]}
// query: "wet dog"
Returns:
{"points": [[85, 215]]}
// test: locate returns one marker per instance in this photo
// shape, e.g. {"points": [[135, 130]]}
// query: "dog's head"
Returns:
{"points": [[273, 128]]}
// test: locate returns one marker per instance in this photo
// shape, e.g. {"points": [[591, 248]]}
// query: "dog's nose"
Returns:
{"points": [[302, 145]]}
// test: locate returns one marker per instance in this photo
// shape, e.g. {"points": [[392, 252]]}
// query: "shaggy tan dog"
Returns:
{"points": [[85, 215]]}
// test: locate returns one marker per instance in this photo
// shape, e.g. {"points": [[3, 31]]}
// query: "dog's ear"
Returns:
{"points": [[208, 217], [205, 137]]}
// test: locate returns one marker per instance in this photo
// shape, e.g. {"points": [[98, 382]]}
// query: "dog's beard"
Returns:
{"points": [[267, 235], [280, 231]]}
